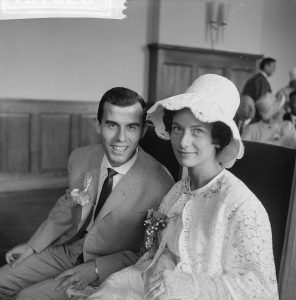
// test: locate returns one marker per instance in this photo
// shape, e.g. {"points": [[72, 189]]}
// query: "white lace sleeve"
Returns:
{"points": [[171, 197], [248, 270]]}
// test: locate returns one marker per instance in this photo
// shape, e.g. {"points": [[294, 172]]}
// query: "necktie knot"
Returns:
{"points": [[111, 172]]}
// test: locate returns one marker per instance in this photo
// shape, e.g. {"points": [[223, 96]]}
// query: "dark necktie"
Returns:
{"points": [[106, 190]]}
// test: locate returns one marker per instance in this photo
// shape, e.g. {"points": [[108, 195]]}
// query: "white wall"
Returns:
{"points": [[254, 26], [279, 37], [74, 59], [79, 59]]}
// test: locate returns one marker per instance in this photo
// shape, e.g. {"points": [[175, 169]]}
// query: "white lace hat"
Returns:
{"points": [[211, 98]]}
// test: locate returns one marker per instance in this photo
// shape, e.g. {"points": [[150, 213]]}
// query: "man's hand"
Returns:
{"points": [[19, 253], [81, 276]]}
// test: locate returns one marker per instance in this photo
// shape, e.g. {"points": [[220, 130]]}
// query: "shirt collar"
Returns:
{"points": [[264, 74], [123, 169]]}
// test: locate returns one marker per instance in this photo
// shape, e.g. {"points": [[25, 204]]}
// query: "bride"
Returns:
{"points": [[216, 243]]}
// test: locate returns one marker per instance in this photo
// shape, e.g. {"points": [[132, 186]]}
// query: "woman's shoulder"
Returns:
{"points": [[236, 191], [174, 193]]}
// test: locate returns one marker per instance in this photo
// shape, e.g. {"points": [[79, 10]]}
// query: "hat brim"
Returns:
{"points": [[227, 157]]}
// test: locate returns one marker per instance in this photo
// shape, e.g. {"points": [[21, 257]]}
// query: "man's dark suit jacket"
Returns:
{"points": [[257, 86]]}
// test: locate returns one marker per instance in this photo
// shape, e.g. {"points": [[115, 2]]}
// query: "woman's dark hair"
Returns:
{"points": [[221, 133]]}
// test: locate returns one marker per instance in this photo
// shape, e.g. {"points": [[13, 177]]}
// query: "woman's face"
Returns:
{"points": [[192, 140]]}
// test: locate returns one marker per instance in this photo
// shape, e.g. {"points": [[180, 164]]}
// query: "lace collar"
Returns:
{"points": [[209, 190]]}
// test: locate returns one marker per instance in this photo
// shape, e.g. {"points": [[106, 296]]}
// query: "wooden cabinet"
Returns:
{"points": [[172, 68]]}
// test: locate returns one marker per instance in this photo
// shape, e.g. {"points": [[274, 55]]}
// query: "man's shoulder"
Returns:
{"points": [[154, 167]]}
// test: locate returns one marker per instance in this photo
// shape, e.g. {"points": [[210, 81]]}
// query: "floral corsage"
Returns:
{"points": [[78, 197], [154, 222]]}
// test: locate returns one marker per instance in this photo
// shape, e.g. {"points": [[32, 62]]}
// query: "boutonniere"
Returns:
{"points": [[154, 222], [80, 197]]}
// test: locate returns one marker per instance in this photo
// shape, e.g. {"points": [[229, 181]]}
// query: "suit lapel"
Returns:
{"points": [[94, 174], [124, 190]]}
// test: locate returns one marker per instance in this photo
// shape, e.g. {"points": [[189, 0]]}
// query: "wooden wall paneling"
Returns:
{"points": [[166, 79], [14, 142], [239, 76], [75, 132], [54, 142], [87, 130], [176, 79], [34, 144], [36, 136], [154, 73], [208, 69]]}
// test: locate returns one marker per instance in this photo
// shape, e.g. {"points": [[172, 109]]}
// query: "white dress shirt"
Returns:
{"points": [[121, 171]]}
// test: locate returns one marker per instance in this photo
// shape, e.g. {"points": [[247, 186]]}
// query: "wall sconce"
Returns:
{"points": [[217, 20]]}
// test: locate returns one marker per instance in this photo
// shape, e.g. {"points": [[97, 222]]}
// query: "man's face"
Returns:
{"points": [[120, 130], [293, 105], [269, 69]]}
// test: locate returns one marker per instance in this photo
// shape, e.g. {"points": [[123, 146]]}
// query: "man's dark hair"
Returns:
{"points": [[292, 95], [221, 133], [266, 61], [120, 96]]}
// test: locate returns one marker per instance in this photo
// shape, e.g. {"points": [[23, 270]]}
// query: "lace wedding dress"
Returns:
{"points": [[217, 245]]}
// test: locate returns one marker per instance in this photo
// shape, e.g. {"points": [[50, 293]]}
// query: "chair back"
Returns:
{"points": [[162, 151], [268, 171]]}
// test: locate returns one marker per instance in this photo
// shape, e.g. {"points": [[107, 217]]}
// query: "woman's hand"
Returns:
{"points": [[154, 286], [168, 284]]}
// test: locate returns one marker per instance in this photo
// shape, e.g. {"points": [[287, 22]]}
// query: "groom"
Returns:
{"points": [[96, 228]]}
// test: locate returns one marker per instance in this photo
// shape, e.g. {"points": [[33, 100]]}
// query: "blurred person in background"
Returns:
{"points": [[291, 116], [258, 85], [245, 113], [272, 129], [286, 91]]}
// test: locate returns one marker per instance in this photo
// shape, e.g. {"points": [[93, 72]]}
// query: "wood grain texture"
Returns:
{"points": [[14, 142], [173, 68], [36, 137]]}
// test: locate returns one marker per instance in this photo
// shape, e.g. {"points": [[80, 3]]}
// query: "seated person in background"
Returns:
{"points": [[209, 247], [291, 116], [272, 129], [97, 228], [245, 113], [285, 91]]}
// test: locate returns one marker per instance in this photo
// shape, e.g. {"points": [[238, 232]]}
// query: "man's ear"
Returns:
{"points": [[98, 127], [144, 130]]}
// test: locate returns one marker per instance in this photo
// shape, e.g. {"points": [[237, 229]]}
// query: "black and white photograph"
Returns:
{"points": [[147, 149]]}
